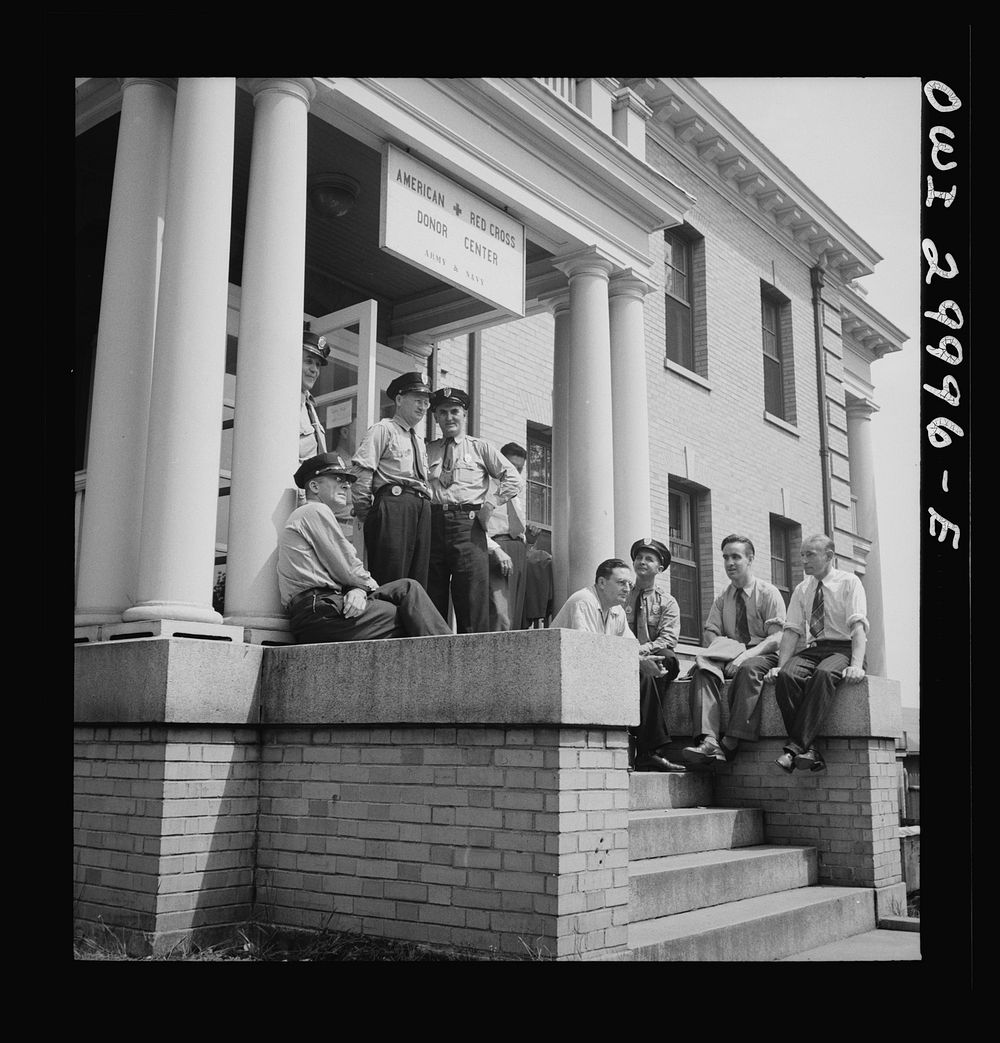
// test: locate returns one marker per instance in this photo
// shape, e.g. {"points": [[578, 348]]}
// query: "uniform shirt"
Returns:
{"points": [[385, 457], [314, 552], [475, 462], [582, 611], [499, 523], [654, 617], [312, 436], [765, 612], [844, 604]]}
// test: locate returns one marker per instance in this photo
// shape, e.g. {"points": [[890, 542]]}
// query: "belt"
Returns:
{"points": [[398, 490], [312, 592], [507, 536], [458, 508]]}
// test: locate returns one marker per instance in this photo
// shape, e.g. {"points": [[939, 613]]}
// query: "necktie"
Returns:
{"points": [[418, 469], [318, 432], [448, 464], [514, 524], [816, 617], [742, 627], [636, 609]]}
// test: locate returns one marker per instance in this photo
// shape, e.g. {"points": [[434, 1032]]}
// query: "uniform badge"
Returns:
{"points": [[446, 392], [396, 490]]}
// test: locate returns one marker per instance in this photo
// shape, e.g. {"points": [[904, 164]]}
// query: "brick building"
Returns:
{"points": [[667, 318]]}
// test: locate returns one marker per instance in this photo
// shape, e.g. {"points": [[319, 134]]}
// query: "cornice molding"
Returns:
{"points": [[868, 328]]}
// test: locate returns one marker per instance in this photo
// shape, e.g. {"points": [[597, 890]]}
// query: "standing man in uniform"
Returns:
{"points": [[829, 610], [749, 611], [600, 609], [506, 532], [655, 618], [459, 469], [312, 436], [391, 496], [327, 592]]}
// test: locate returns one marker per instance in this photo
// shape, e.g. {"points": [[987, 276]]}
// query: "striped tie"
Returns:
{"points": [[816, 618]]}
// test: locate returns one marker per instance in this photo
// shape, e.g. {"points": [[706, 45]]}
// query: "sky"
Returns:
{"points": [[855, 142]]}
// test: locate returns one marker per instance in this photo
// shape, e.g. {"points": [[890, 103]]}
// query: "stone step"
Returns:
{"points": [[649, 790], [677, 831], [678, 883], [765, 927]]}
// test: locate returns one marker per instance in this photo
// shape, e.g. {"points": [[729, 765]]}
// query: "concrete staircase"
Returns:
{"points": [[705, 886]]}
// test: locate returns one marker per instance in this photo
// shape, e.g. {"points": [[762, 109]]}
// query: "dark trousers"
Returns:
{"points": [[507, 592], [652, 731], [805, 687], [460, 565], [398, 609], [398, 538], [743, 697]]}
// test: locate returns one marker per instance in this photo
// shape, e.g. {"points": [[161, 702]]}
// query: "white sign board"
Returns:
{"points": [[431, 222], [340, 413]]}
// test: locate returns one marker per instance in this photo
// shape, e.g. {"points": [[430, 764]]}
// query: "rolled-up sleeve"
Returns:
{"points": [[856, 604], [500, 468], [772, 610], [713, 625], [794, 618]]}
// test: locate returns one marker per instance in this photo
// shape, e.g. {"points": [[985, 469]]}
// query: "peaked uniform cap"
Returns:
{"points": [[323, 463], [655, 546]]}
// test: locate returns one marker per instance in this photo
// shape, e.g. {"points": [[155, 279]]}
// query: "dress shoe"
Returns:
{"points": [[654, 762], [704, 755], [812, 760], [786, 762], [727, 753]]}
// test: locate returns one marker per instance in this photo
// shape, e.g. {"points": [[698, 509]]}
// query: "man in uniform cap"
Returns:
{"points": [[391, 496], [655, 618], [327, 592], [312, 436], [741, 641], [601, 609], [459, 469]]}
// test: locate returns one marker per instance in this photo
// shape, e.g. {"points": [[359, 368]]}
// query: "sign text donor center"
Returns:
{"points": [[439, 226]]}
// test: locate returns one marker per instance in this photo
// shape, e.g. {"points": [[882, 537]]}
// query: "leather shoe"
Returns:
{"points": [[727, 753], [812, 760], [704, 755], [654, 762], [786, 762]]}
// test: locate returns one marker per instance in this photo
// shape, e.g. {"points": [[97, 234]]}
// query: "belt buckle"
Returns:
{"points": [[396, 490], [472, 515]]}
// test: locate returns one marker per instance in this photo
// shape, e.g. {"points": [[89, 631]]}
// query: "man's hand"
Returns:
{"points": [[772, 673], [502, 558], [854, 673], [650, 666], [355, 602], [735, 662]]}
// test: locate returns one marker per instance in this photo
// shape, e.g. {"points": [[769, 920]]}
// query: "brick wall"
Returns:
{"points": [[505, 839]]}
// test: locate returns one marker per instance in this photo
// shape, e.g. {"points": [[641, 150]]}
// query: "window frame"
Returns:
{"points": [[538, 435], [685, 355], [690, 534]]}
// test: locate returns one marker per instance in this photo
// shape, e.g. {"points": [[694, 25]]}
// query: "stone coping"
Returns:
{"points": [[524, 677]]}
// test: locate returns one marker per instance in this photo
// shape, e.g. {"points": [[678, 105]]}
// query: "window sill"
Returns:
{"points": [[687, 374], [783, 424]]}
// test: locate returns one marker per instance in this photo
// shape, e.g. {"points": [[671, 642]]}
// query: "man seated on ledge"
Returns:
{"points": [[828, 608], [742, 635], [328, 593], [600, 610]]}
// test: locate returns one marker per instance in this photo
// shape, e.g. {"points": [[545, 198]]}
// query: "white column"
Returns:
{"points": [[123, 366], [630, 410], [561, 501], [177, 551], [591, 530], [859, 440], [268, 376]]}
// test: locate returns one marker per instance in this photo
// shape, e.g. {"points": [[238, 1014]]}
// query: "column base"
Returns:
{"points": [[93, 617], [171, 610], [170, 628]]}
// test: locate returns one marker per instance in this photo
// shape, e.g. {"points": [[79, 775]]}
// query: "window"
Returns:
{"points": [[786, 568], [538, 476], [776, 338], [677, 284], [684, 552]]}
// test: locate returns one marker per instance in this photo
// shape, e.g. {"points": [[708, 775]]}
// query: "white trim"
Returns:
{"points": [[783, 424], [687, 374]]}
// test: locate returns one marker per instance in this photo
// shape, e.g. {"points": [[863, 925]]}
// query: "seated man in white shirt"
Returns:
{"points": [[829, 610], [328, 593], [600, 609]]}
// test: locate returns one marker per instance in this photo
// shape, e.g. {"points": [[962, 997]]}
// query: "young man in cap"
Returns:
{"points": [[459, 469], [600, 609], [327, 592], [829, 610], [505, 537], [655, 618], [312, 435], [741, 639], [391, 496]]}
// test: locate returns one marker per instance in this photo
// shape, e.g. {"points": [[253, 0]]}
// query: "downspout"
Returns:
{"points": [[818, 280], [475, 374], [432, 378]]}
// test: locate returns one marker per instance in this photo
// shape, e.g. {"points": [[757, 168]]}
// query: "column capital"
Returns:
{"points": [[861, 408], [630, 283], [301, 87], [588, 261], [557, 301], [156, 81]]}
